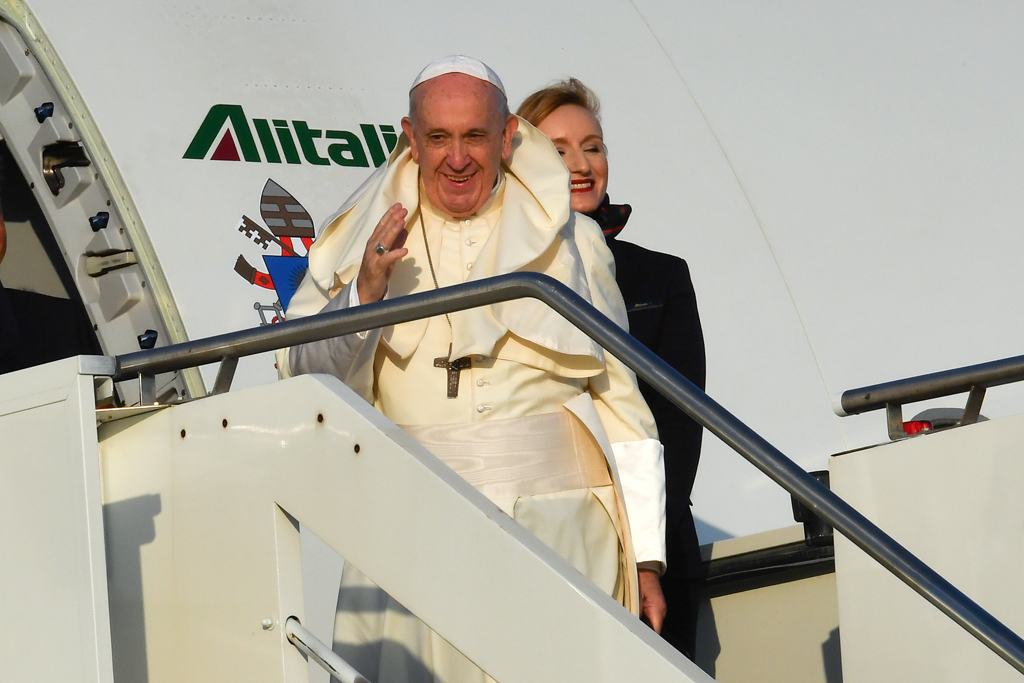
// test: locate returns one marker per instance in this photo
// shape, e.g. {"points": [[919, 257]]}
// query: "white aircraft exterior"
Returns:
{"points": [[843, 180]]}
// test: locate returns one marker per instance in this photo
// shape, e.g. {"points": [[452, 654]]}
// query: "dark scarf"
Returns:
{"points": [[611, 217]]}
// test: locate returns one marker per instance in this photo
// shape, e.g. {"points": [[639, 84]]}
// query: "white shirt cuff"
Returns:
{"points": [[642, 475], [353, 301]]}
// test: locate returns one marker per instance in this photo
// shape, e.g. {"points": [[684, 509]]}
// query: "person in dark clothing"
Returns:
{"points": [[662, 310], [8, 327], [36, 328]]}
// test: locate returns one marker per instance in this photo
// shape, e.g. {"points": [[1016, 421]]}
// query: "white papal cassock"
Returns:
{"points": [[544, 423]]}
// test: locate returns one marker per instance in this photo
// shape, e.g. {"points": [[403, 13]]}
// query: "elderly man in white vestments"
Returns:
{"points": [[557, 433]]}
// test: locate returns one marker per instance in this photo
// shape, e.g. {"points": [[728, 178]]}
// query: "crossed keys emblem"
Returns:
{"points": [[289, 227]]}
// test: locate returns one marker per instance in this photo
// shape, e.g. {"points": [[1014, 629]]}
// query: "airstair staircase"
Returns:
{"points": [[162, 542]]}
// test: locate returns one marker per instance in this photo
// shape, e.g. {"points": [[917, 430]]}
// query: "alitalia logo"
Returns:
{"points": [[227, 132]]}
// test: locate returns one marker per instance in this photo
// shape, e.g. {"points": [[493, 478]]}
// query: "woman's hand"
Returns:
{"points": [[652, 601], [378, 264]]}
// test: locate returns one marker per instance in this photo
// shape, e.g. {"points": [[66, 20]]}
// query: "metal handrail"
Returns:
{"points": [[656, 372], [321, 653], [932, 385]]}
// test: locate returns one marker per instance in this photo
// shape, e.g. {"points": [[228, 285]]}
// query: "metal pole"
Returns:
{"points": [[830, 507], [664, 378], [337, 323], [302, 638], [932, 385]]}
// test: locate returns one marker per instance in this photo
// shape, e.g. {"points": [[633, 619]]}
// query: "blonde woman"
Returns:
{"points": [[662, 310]]}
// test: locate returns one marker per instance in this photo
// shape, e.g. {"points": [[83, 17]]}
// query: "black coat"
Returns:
{"points": [[662, 310]]}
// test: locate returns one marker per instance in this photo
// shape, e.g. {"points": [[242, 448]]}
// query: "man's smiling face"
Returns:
{"points": [[459, 138]]}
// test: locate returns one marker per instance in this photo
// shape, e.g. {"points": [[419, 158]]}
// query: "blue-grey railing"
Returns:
{"points": [[933, 385], [659, 374]]}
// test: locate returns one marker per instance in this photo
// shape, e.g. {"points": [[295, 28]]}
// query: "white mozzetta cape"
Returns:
{"points": [[536, 231]]}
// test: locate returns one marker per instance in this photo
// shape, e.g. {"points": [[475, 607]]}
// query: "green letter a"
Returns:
{"points": [[212, 124]]}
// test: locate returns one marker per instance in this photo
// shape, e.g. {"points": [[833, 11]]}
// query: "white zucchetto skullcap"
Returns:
{"points": [[459, 64]]}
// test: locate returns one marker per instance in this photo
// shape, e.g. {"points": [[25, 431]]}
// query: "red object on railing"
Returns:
{"points": [[915, 426]]}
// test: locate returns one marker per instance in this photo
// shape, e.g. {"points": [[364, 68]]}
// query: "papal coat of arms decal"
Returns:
{"points": [[287, 226]]}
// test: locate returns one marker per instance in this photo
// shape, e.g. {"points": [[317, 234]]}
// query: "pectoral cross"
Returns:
{"points": [[454, 368]]}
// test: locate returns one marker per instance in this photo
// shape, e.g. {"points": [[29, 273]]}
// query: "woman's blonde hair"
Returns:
{"points": [[540, 104]]}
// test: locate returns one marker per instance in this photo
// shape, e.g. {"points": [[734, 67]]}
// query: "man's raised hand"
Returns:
{"points": [[383, 250]]}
